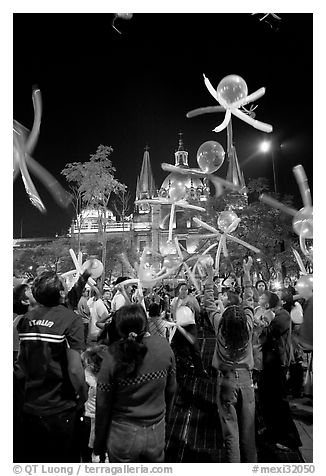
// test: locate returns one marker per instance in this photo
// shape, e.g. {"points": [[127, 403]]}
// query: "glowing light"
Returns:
{"points": [[265, 146]]}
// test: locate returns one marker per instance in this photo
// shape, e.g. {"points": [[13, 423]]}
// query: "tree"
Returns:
{"points": [[121, 204], [54, 255], [94, 181]]}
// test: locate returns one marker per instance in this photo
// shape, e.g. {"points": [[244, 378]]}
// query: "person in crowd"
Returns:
{"points": [[122, 295], [184, 348], [106, 298], [51, 340], [135, 391], [92, 359], [263, 316], [295, 380], [277, 355], [84, 311], [258, 290], [98, 312], [217, 287], [306, 330], [23, 301], [156, 323], [234, 363], [225, 298], [287, 285]]}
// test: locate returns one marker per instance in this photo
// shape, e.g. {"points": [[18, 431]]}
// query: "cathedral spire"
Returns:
{"points": [[181, 147], [145, 182], [234, 174]]}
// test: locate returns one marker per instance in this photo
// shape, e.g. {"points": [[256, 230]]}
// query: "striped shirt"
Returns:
{"points": [[45, 333]]}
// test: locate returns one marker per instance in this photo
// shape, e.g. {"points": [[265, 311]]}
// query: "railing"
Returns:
{"points": [[112, 227]]}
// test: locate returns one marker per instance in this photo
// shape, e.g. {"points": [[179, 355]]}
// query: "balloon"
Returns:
{"points": [[184, 316], [231, 94], [303, 222], [171, 261], [95, 267], [304, 286], [231, 89], [206, 260], [225, 219], [177, 190], [146, 276], [125, 16], [210, 156]]}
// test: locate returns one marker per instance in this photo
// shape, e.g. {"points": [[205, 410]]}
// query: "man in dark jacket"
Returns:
{"points": [[277, 352], [51, 339]]}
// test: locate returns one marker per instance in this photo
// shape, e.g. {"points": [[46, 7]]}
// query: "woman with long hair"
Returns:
{"points": [[135, 390], [233, 360]]}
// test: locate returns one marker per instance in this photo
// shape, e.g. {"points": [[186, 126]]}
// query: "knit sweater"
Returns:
{"points": [[141, 400]]}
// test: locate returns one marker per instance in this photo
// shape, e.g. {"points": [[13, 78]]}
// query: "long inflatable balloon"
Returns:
{"points": [[23, 147]]}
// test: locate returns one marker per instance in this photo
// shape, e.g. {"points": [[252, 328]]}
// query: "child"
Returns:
{"points": [[92, 359]]}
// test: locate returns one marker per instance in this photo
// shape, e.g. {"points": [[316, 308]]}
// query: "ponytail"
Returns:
{"points": [[130, 350]]}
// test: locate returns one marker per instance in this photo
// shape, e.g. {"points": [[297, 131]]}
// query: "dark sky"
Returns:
{"points": [[129, 90]]}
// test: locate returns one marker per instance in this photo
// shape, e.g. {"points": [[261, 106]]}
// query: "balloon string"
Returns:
{"points": [[302, 181], [276, 204]]}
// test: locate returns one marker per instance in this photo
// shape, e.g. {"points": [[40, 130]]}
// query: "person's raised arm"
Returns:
{"points": [[210, 306]]}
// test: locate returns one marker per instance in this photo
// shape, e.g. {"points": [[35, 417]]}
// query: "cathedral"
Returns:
{"points": [[148, 224]]}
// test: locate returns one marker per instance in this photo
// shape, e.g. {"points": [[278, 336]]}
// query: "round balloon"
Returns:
{"points": [[304, 286], [210, 156], [177, 190], [146, 276], [303, 223], [226, 219], [184, 316], [231, 89], [94, 266]]}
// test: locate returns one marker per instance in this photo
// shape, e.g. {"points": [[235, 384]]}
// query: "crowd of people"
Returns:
{"points": [[96, 372]]}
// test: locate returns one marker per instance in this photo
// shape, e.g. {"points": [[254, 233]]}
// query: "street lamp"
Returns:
{"points": [[267, 146]]}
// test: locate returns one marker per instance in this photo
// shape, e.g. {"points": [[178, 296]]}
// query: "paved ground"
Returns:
{"points": [[193, 429]]}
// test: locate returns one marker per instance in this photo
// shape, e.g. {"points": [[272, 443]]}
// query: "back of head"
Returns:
{"points": [[233, 327], [47, 289], [233, 298], [19, 295], [131, 318], [153, 310], [273, 299], [287, 299], [129, 352]]}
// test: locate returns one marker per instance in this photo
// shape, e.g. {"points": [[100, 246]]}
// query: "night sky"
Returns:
{"points": [[134, 89]]}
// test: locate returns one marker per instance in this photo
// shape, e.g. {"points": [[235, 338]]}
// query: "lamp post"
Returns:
{"points": [[265, 146]]}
